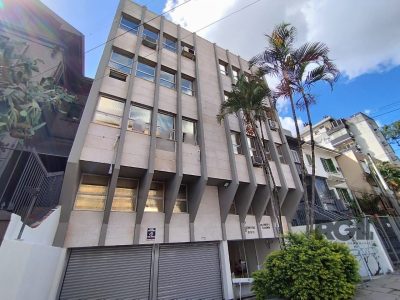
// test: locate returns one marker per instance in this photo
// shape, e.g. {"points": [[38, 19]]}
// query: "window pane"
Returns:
{"points": [[170, 44], [92, 193], [222, 69], [187, 87], [121, 62], [167, 79], [110, 106], [145, 71], [155, 198], [129, 25], [182, 192], [108, 120], [165, 126], [140, 119], [189, 131], [125, 195], [150, 34], [235, 137], [180, 206], [235, 74]]}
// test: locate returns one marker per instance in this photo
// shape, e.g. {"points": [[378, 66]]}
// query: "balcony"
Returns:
{"points": [[341, 139]]}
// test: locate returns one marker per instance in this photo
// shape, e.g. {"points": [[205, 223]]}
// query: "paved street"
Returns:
{"points": [[383, 288]]}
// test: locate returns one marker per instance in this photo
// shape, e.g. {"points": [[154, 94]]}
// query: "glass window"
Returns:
{"points": [[295, 156], [280, 154], [92, 193], [235, 137], [129, 25], [139, 119], [187, 86], [251, 141], [309, 159], [120, 62], [344, 195], [189, 131], [181, 200], [155, 198], [328, 165], [170, 43], [165, 126], [235, 74], [267, 151], [109, 112], [125, 195], [150, 34], [167, 79], [145, 71], [223, 68]]}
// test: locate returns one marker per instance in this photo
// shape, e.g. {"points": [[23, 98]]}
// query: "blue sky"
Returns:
{"points": [[371, 72]]}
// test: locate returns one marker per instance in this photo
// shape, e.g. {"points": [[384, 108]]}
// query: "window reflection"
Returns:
{"points": [[167, 79], [155, 198], [125, 195], [92, 193], [139, 119], [109, 112], [189, 131], [121, 62], [129, 25], [187, 86], [165, 126], [181, 200], [145, 71]]}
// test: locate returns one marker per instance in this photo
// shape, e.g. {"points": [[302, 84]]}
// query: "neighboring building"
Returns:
{"points": [[159, 200], [359, 132], [333, 196], [39, 162]]}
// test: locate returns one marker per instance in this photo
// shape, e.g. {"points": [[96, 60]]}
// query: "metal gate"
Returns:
{"points": [[189, 271], [108, 273]]}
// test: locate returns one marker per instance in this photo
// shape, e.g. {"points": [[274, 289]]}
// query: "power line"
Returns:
{"points": [[388, 112]]}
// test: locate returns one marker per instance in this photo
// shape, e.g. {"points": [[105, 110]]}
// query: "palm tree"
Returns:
{"points": [[287, 63], [305, 75], [248, 101]]}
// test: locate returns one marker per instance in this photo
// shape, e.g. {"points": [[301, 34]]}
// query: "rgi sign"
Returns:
{"points": [[345, 230]]}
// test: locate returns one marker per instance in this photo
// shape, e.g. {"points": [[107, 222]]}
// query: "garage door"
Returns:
{"points": [[189, 271], [108, 273]]}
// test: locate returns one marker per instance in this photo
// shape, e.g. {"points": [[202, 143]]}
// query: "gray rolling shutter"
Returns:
{"points": [[108, 273], [189, 271]]}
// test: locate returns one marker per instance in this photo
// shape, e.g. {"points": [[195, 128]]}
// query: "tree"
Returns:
{"points": [[248, 101], [23, 95], [391, 174], [392, 132], [282, 60], [303, 77]]}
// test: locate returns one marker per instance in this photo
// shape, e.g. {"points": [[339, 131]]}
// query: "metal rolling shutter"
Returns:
{"points": [[108, 273], [189, 271]]}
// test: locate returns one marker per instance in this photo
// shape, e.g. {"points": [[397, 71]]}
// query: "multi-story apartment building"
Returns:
{"points": [[159, 200], [358, 132], [39, 34], [333, 196]]}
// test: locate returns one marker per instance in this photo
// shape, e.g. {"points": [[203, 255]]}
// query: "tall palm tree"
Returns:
{"points": [[282, 60], [248, 100], [305, 75]]}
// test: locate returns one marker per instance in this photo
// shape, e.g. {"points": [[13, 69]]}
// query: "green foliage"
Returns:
{"points": [[24, 94], [310, 267], [391, 174], [392, 132], [370, 204]]}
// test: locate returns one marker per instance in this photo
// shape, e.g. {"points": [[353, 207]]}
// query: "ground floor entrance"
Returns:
{"points": [[166, 271]]}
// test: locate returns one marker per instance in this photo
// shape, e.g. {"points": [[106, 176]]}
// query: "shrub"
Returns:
{"points": [[308, 268]]}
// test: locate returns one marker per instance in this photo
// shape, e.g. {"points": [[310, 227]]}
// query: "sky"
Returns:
{"points": [[363, 37]]}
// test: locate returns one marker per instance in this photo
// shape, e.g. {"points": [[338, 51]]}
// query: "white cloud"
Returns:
{"points": [[288, 123], [363, 35], [367, 111]]}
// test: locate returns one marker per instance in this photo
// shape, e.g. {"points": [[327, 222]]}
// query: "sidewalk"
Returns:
{"points": [[386, 287]]}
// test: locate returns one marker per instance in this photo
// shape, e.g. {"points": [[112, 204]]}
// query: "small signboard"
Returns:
{"points": [[151, 233]]}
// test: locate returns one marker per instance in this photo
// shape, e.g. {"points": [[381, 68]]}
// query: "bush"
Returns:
{"points": [[308, 268]]}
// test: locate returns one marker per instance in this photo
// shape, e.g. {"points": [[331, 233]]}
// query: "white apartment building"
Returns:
{"points": [[159, 201], [358, 132]]}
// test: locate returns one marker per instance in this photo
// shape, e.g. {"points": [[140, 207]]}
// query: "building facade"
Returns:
{"points": [[154, 184], [358, 132]]}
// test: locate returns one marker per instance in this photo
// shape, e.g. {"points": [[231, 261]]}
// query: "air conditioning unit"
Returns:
{"points": [[273, 125], [188, 52], [149, 42], [257, 161]]}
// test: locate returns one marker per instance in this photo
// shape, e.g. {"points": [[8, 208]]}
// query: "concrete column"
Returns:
{"points": [[199, 186], [226, 194], [227, 287]]}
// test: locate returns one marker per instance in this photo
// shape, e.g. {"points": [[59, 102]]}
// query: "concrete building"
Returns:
{"points": [[333, 196], [39, 162], [358, 132], [159, 200]]}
